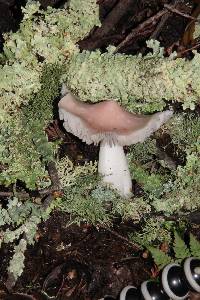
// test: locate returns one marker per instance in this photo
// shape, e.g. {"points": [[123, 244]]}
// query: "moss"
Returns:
{"points": [[89, 200], [42, 55], [184, 130], [41, 105], [69, 174]]}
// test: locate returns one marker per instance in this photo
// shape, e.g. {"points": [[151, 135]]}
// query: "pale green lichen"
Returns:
{"points": [[40, 56], [151, 182], [22, 149], [143, 152], [16, 265], [20, 221], [30, 81], [43, 52], [87, 199], [22, 218], [178, 190], [197, 29], [44, 37], [133, 210]]}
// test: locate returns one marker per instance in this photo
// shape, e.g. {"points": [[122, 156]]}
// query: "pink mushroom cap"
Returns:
{"points": [[107, 121]]}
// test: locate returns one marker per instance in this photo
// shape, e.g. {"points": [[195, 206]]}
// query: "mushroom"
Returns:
{"points": [[108, 123]]}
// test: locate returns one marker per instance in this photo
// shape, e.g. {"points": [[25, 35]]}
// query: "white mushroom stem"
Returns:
{"points": [[108, 123], [113, 166]]}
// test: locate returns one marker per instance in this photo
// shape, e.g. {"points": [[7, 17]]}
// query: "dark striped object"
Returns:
{"points": [[176, 282]]}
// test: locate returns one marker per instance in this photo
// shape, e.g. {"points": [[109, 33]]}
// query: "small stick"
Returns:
{"points": [[137, 247], [178, 12], [159, 27], [179, 54]]}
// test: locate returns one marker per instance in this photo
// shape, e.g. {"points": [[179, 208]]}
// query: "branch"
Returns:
{"points": [[193, 217], [55, 186]]}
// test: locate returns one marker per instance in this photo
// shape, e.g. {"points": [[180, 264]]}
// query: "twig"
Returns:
{"points": [[136, 31], [126, 259], [134, 245], [160, 25], [179, 54], [10, 194], [178, 12]]}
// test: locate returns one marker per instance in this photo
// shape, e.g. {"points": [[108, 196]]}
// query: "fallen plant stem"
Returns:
{"points": [[154, 35], [193, 217], [47, 201], [179, 54], [126, 259]]}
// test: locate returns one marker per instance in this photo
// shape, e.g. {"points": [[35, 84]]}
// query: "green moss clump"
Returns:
{"points": [[41, 104]]}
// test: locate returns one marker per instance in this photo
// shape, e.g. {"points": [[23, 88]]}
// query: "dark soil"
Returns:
{"points": [[83, 262], [79, 262]]}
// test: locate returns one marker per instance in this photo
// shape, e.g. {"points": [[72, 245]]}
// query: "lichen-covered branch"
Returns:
{"points": [[138, 83]]}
